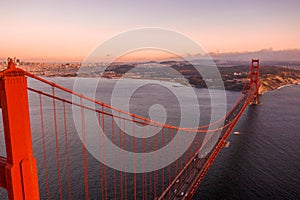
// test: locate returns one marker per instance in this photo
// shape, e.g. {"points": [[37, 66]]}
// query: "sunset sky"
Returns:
{"points": [[70, 30]]}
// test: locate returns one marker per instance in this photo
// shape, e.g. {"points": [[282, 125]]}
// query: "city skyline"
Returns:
{"points": [[70, 30]]}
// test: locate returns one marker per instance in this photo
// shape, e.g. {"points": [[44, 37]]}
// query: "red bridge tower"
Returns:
{"points": [[254, 80], [18, 171]]}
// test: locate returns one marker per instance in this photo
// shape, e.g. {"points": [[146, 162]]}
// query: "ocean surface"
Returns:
{"points": [[262, 162]]}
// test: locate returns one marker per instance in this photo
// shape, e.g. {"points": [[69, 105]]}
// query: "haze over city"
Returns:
{"points": [[70, 30]]}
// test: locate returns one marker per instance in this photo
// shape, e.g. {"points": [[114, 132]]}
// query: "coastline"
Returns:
{"points": [[265, 86], [276, 83]]}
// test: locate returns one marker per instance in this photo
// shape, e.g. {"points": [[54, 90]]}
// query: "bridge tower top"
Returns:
{"points": [[254, 80], [11, 63]]}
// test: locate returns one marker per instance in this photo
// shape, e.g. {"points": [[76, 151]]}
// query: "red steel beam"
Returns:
{"points": [[20, 169]]}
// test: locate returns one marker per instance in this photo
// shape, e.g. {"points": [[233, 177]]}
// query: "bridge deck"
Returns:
{"points": [[186, 183]]}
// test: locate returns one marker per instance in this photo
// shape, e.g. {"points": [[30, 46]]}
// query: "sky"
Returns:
{"points": [[70, 30]]}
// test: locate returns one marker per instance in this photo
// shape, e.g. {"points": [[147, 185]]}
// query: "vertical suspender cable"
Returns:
{"points": [[144, 163], [100, 155], [120, 143], [134, 160], [56, 146], [162, 159], [168, 155], [67, 152], [44, 147], [155, 163], [86, 186], [150, 174], [176, 151], [125, 146], [115, 161], [104, 157]]}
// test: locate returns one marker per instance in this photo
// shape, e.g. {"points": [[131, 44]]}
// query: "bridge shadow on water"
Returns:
{"points": [[261, 162], [226, 178]]}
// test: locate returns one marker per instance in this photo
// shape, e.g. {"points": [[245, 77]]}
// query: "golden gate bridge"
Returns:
{"points": [[20, 176]]}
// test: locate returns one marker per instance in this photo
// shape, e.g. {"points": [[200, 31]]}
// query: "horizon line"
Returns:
{"points": [[81, 59]]}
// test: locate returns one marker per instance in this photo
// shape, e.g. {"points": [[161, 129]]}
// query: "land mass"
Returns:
{"points": [[233, 73]]}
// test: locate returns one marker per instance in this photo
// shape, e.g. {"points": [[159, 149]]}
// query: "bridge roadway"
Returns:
{"points": [[190, 177]]}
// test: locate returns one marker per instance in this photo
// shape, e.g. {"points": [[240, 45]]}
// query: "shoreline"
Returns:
{"points": [[263, 87], [269, 85]]}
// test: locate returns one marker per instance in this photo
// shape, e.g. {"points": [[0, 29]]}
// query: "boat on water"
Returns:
{"points": [[236, 133], [176, 85], [226, 144]]}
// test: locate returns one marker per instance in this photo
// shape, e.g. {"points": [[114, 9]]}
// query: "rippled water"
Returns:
{"points": [[262, 162]]}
